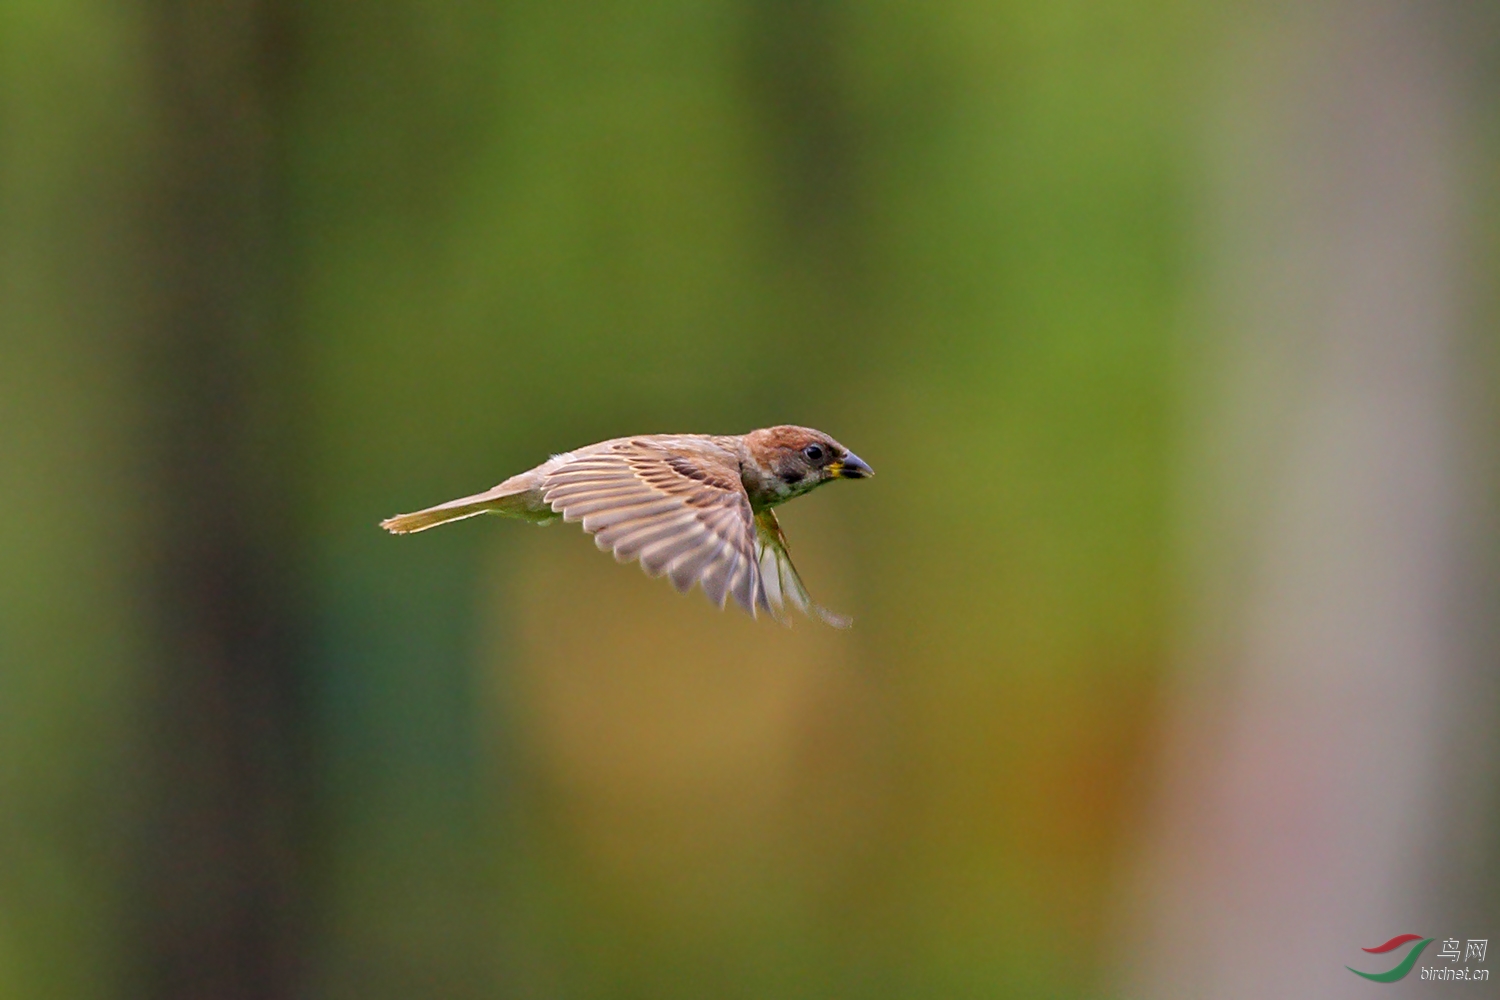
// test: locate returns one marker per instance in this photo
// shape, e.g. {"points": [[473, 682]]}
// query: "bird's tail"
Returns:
{"points": [[506, 498]]}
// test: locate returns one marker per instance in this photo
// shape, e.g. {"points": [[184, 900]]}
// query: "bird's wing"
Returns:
{"points": [[681, 510], [779, 578]]}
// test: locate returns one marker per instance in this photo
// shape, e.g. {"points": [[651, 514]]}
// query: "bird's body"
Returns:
{"points": [[695, 507]]}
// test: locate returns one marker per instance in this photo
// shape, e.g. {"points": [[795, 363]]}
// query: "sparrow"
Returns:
{"points": [[698, 508]]}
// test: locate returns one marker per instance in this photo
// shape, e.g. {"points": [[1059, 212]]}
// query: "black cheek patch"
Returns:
{"points": [[791, 477]]}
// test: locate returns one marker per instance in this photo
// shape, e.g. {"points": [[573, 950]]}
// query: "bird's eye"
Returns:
{"points": [[813, 453]]}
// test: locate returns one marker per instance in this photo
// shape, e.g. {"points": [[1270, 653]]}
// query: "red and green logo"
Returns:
{"points": [[1404, 966]]}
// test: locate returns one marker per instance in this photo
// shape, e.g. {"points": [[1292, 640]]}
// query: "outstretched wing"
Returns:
{"points": [[678, 507], [779, 577]]}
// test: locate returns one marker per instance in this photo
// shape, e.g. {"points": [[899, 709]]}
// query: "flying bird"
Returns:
{"points": [[698, 508]]}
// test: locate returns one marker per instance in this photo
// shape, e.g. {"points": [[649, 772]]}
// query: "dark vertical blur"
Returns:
{"points": [[223, 828]]}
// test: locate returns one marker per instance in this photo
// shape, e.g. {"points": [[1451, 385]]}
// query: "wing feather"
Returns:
{"points": [[679, 531], [630, 511], [715, 579], [686, 569], [680, 509], [779, 577]]}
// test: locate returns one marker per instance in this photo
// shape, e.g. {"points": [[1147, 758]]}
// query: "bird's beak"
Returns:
{"points": [[851, 467]]}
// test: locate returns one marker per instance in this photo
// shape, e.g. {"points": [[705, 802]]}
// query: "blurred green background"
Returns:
{"points": [[272, 272]]}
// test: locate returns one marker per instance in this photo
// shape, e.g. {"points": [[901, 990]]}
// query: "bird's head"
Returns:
{"points": [[787, 461]]}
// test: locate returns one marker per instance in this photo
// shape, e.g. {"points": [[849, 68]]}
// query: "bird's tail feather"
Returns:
{"points": [[503, 499]]}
